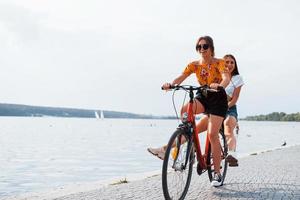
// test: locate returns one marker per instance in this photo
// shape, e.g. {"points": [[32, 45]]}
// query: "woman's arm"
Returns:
{"points": [[235, 96], [177, 81], [225, 81]]}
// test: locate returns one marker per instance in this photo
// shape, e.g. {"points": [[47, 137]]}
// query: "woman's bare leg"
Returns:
{"points": [[214, 124], [202, 124], [197, 107], [229, 125]]}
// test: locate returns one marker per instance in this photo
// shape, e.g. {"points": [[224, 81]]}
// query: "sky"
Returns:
{"points": [[115, 55]]}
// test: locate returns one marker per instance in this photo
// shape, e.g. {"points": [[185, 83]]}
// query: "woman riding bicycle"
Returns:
{"points": [[209, 71], [233, 91]]}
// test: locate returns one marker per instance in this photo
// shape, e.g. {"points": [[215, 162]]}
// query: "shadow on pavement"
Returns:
{"points": [[258, 191]]}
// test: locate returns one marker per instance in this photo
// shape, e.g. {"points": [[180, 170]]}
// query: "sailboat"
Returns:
{"points": [[102, 114], [97, 115]]}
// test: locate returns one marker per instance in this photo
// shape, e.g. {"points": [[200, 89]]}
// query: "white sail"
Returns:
{"points": [[96, 115], [102, 114]]}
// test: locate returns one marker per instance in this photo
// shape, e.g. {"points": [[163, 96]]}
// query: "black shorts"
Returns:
{"points": [[215, 103]]}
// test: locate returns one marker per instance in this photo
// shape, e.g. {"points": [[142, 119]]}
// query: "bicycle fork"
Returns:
{"points": [[180, 150]]}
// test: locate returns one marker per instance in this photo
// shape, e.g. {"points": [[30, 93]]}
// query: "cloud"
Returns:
{"points": [[18, 24]]}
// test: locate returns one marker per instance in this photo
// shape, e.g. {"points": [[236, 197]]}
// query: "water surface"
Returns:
{"points": [[43, 153]]}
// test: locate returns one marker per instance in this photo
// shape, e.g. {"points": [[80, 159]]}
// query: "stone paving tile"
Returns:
{"points": [[269, 175]]}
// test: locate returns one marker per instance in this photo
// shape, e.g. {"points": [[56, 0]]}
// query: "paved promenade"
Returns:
{"points": [[269, 175]]}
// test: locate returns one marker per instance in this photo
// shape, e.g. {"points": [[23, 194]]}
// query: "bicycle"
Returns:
{"points": [[183, 147]]}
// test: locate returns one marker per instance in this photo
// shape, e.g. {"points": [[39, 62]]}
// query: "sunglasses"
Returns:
{"points": [[204, 46], [229, 62]]}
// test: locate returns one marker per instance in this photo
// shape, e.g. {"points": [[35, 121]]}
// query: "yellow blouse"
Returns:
{"points": [[207, 74]]}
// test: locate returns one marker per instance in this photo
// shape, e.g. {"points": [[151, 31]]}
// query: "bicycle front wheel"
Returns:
{"points": [[177, 166], [223, 164]]}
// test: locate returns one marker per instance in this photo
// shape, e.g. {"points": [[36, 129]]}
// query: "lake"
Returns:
{"points": [[43, 153]]}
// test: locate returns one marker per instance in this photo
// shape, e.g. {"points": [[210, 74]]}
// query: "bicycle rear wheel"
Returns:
{"points": [[224, 164], [177, 166]]}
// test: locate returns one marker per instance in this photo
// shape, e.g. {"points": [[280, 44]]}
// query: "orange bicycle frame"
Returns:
{"points": [[191, 118]]}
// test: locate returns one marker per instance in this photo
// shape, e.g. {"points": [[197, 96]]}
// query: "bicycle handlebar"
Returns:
{"points": [[192, 88]]}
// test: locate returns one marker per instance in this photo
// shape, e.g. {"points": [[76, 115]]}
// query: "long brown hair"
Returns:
{"points": [[235, 70], [209, 41]]}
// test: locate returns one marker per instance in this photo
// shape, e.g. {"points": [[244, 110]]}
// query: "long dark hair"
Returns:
{"points": [[209, 41], [236, 70]]}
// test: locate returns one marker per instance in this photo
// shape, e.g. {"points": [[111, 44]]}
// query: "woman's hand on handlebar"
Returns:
{"points": [[166, 86], [216, 86]]}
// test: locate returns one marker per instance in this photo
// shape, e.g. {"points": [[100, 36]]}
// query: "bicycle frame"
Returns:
{"points": [[195, 137], [176, 182], [190, 119]]}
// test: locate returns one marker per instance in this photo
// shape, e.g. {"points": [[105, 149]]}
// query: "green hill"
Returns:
{"points": [[41, 111], [275, 116]]}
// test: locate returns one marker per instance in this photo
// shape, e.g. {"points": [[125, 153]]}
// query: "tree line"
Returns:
{"points": [[275, 116]]}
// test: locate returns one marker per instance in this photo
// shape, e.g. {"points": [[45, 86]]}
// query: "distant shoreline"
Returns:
{"points": [[275, 116], [19, 110]]}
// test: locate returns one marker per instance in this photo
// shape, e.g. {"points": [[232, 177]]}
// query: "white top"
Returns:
{"points": [[235, 82]]}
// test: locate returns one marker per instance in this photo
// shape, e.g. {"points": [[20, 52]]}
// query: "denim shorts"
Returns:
{"points": [[232, 111]]}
